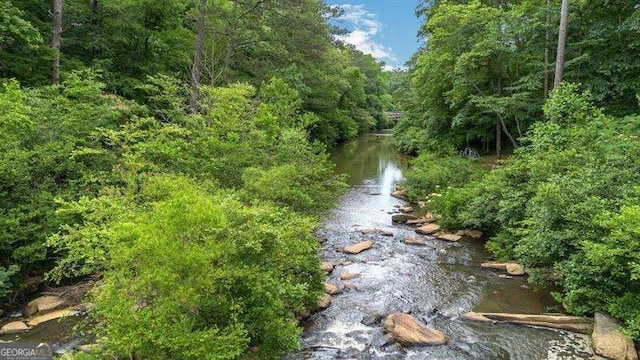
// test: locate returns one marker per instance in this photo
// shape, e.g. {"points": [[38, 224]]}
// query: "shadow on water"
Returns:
{"points": [[430, 282]]}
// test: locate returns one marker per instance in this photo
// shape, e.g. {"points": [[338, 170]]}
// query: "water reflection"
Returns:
{"points": [[371, 160]]}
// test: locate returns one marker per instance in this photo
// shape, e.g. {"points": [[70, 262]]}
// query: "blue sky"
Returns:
{"points": [[386, 29]]}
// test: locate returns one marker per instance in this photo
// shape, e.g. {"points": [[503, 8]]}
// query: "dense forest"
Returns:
{"points": [[178, 150], [556, 87]]}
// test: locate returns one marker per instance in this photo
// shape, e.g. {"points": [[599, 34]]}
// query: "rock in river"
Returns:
{"points": [[414, 240], [428, 229], [349, 276], [403, 218], [367, 231], [58, 314], [43, 304], [327, 267], [406, 209], [609, 342], [358, 248], [563, 322], [511, 267], [331, 289], [408, 331], [13, 328], [324, 301], [448, 237]]}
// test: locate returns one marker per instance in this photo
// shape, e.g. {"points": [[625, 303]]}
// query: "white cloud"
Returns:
{"points": [[366, 27]]}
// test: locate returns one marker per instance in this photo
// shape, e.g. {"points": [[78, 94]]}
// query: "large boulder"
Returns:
{"points": [[609, 342], [358, 248], [43, 304], [408, 331], [428, 229]]}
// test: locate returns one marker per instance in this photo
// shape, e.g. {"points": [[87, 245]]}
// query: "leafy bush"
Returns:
{"points": [[195, 274], [565, 205], [430, 174]]}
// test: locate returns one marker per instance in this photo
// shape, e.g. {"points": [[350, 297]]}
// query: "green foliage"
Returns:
{"points": [[200, 224], [193, 272], [565, 205], [431, 173]]}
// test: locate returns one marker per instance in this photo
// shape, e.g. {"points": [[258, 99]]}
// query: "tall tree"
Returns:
{"points": [[562, 41], [56, 36], [196, 70]]}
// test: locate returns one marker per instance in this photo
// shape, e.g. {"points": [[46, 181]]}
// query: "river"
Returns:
{"points": [[431, 282]]}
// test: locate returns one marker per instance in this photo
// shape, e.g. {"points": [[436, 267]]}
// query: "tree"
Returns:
{"points": [[56, 36], [196, 70], [562, 40]]}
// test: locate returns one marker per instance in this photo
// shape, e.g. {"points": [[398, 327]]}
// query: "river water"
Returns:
{"points": [[430, 282]]}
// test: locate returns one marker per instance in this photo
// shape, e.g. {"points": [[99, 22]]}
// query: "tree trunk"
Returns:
{"points": [[94, 24], [562, 41], [56, 36], [547, 43], [196, 71], [498, 138]]}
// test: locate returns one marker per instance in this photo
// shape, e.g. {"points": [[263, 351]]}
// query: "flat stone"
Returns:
{"points": [[609, 341], [331, 289], [324, 301], [367, 231], [403, 218], [503, 276], [358, 248], [417, 222], [327, 267], [14, 327], [349, 276], [406, 209], [408, 331], [428, 229], [43, 304], [414, 240], [386, 232], [449, 237], [50, 316]]}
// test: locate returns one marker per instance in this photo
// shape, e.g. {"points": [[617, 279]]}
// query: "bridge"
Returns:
{"points": [[394, 115]]}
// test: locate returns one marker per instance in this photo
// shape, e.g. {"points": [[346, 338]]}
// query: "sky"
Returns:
{"points": [[385, 29]]}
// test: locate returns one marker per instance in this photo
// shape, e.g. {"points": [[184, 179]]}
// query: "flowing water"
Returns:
{"points": [[430, 282]]}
